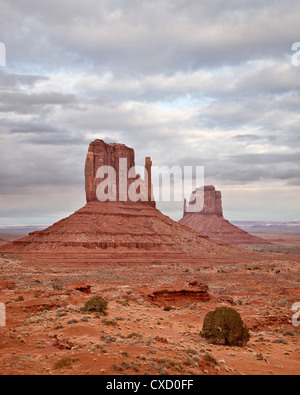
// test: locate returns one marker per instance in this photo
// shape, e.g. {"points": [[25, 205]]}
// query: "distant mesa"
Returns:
{"points": [[211, 201], [209, 221], [104, 233]]}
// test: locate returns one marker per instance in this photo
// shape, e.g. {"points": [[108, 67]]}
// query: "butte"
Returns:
{"points": [[209, 220], [117, 232]]}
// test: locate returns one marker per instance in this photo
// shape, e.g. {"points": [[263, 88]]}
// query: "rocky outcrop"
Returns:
{"points": [[209, 220], [62, 344], [180, 293], [211, 199], [111, 231], [80, 286], [116, 226], [113, 166], [102, 154]]}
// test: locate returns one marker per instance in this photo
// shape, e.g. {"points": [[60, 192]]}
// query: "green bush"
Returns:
{"points": [[225, 326], [96, 305]]}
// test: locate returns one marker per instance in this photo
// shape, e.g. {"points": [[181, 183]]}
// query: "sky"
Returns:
{"points": [[189, 83]]}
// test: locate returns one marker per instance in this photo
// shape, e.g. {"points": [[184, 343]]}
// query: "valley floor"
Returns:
{"points": [[46, 332]]}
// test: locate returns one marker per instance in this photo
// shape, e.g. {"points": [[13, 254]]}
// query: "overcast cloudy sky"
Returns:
{"points": [[186, 82]]}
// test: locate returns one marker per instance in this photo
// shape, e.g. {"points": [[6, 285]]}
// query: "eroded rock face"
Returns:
{"points": [[180, 293], [212, 204], [209, 221], [111, 230], [80, 286], [103, 154], [121, 159], [62, 344]]}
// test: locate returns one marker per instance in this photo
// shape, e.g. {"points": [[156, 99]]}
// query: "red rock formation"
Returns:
{"points": [[212, 204], [108, 226], [62, 344], [180, 293], [121, 161], [209, 221], [104, 232], [148, 179], [80, 286], [103, 154]]}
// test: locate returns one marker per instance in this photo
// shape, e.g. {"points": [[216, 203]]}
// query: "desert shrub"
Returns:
{"points": [[124, 303], [73, 321], [110, 323], [191, 351], [19, 299], [210, 359], [63, 363], [189, 362], [96, 305], [117, 368], [225, 326], [57, 284], [134, 335], [170, 364], [126, 365]]}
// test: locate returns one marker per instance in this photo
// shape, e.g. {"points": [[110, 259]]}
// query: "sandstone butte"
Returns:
{"points": [[119, 232], [209, 220]]}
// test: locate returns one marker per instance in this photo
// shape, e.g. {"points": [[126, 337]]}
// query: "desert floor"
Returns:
{"points": [[46, 332]]}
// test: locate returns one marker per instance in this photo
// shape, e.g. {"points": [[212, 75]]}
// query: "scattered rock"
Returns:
{"points": [[81, 287], [62, 344]]}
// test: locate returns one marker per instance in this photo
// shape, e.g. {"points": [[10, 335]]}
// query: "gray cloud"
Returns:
{"points": [[188, 83], [11, 81], [24, 103], [147, 37], [247, 137]]}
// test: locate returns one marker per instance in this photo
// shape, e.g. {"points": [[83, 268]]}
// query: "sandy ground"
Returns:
{"points": [[46, 333], [281, 239], [285, 243]]}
